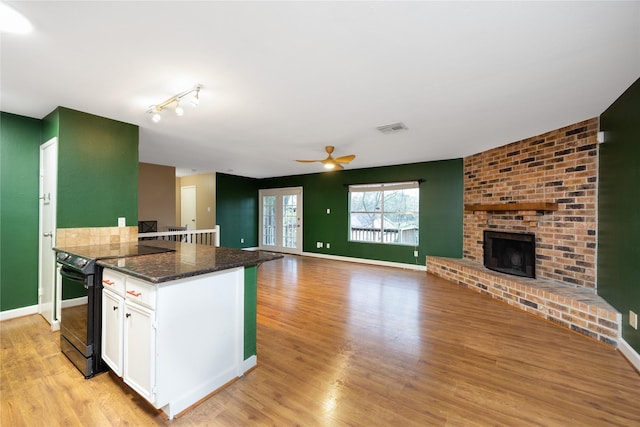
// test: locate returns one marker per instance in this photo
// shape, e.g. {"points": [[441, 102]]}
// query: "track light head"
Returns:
{"points": [[195, 101], [155, 113]]}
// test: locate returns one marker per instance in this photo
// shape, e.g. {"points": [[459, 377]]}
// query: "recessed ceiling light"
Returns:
{"points": [[12, 21]]}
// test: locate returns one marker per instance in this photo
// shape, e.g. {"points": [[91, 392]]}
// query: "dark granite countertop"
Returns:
{"points": [[186, 260], [114, 250]]}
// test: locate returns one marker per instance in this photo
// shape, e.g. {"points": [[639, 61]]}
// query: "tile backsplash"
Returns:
{"points": [[95, 236]]}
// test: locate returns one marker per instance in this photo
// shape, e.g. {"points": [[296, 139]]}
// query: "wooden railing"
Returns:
{"points": [[389, 235], [209, 237]]}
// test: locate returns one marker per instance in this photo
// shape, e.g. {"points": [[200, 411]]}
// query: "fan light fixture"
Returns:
{"points": [[330, 163], [155, 110]]}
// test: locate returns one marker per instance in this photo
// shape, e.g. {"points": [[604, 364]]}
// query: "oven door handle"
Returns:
{"points": [[74, 275]]}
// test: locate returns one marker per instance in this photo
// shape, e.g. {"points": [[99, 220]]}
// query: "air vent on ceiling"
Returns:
{"points": [[392, 128]]}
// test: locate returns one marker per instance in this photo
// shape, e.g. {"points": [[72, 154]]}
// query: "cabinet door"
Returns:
{"points": [[112, 333], [139, 349]]}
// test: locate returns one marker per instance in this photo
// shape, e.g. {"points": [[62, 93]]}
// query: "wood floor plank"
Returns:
{"points": [[345, 344]]}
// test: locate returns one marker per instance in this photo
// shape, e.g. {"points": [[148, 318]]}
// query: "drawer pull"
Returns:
{"points": [[134, 293], [108, 282]]}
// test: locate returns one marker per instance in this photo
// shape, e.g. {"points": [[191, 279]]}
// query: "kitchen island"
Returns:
{"points": [[177, 326]]}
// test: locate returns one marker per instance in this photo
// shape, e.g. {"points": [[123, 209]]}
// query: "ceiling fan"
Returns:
{"points": [[330, 162]]}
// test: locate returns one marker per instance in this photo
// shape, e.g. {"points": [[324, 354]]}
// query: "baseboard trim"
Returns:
{"points": [[632, 356], [416, 267], [248, 364], [66, 303], [18, 312]]}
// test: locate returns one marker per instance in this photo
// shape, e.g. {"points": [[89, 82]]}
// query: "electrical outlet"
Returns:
{"points": [[318, 244], [241, 240], [328, 245], [122, 221], [633, 319], [415, 254], [328, 211]]}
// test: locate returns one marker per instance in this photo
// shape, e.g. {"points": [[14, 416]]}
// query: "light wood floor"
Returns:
{"points": [[344, 344]]}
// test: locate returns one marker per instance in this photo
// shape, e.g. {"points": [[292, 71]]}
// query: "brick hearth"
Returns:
{"points": [[577, 308]]}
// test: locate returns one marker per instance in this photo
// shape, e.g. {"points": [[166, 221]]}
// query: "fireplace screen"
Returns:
{"points": [[511, 253]]}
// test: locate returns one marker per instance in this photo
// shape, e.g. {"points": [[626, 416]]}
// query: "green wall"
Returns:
{"points": [[441, 209], [97, 169], [20, 139], [619, 209], [97, 183], [237, 210], [250, 311]]}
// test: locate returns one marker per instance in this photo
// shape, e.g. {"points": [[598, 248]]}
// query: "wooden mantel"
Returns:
{"points": [[530, 206]]}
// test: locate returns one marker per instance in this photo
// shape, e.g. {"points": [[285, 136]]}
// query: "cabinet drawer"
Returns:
{"points": [[141, 292], [114, 281]]}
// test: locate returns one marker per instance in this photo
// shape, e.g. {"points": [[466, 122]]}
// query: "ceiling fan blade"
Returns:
{"points": [[338, 166], [308, 161], [345, 159]]}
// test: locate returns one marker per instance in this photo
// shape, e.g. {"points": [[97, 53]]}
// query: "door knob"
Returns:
{"points": [[49, 234]]}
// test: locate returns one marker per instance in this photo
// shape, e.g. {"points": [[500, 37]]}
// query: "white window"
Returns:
{"points": [[384, 213]]}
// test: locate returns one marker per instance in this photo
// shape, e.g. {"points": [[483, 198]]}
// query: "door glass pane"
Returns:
{"points": [[289, 220], [269, 220]]}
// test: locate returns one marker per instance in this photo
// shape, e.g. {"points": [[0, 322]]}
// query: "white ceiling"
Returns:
{"points": [[284, 79]]}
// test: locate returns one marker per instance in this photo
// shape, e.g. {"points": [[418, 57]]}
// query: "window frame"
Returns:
{"points": [[383, 189]]}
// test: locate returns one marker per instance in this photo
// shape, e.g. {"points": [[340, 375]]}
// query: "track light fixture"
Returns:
{"points": [[155, 110]]}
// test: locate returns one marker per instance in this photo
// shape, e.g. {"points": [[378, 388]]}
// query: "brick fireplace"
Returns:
{"points": [[547, 186], [556, 167]]}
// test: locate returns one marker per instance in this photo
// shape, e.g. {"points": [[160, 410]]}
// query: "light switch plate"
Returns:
{"points": [[633, 319], [122, 222]]}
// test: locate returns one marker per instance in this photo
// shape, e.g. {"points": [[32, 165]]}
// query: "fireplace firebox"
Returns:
{"points": [[511, 253]]}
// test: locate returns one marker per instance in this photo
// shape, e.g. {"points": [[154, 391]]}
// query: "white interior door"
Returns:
{"points": [[48, 298], [281, 220], [188, 207]]}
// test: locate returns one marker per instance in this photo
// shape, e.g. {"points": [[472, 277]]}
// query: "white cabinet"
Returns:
{"points": [[112, 319], [128, 331], [139, 349], [176, 342]]}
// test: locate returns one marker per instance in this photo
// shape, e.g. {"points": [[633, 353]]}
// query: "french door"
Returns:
{"points": [[281, 220]]}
